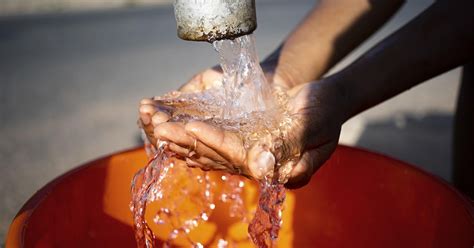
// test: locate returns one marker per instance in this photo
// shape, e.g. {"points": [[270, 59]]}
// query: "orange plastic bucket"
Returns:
{"points": [[357, 199]]}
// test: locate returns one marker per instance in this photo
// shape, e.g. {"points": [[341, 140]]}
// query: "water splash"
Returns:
{"points": [[265, 225], [163, 182], [246, 89], [244, 103]]}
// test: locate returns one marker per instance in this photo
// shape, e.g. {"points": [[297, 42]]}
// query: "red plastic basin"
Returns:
{"points": [[357, 199]]}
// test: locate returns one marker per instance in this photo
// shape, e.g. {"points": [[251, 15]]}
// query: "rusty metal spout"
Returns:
{"points": [[210, 20]]}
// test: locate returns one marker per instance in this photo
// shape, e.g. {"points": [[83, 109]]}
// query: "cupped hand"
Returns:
{"points": [[317, 111], [152, 114]]}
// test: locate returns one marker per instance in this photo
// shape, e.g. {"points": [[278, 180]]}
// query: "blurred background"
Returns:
{"points": [[73, 71]]}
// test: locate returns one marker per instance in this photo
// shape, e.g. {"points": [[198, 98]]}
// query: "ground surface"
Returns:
{"points": [[70, 86]]}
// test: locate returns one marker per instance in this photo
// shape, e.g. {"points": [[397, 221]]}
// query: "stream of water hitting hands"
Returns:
{"points": [[245, 103]]}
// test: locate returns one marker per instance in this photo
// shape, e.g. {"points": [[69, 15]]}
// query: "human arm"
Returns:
{"points": [[330, 31], [439, 39]]}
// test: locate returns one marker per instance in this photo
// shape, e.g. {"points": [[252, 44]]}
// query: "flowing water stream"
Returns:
{"points": [[244, 103]]}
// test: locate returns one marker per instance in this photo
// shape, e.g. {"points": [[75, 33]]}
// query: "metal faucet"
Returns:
{"points": [[210, 20]]}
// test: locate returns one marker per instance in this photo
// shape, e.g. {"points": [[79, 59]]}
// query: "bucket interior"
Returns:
{"points": [[357, 199]]}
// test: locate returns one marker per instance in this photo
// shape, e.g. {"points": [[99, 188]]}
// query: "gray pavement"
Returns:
{"points": [[70, 85]]}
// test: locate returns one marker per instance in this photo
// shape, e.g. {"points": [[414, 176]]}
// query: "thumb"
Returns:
{"points": [[301, 173], [260, 160], [309, 163]]}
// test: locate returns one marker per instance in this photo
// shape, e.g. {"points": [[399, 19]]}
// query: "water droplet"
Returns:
{"points": [[224, 197], [174, 234], [222, 243], [199, 245], [158, 220]]}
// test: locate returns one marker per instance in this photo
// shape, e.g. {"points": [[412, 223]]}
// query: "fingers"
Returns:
{"points": [[227, 144], [202, 81], [208, 147], [231, 148], [159, 117], [151, 114], [205, 164], [196, 153], [194, 85], [175, 132], [196, 164], [309, 163], [172, 131], [180, 151], [146, 111], [301, 173]]}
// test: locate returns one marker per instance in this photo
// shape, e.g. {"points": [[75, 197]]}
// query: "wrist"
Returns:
{"points": [[343, 96], [280, 72]]}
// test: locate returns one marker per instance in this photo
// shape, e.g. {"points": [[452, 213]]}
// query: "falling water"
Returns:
{"points": [[244, 103]]}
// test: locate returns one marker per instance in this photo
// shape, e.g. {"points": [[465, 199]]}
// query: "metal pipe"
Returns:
{"points": [[210, 20]]}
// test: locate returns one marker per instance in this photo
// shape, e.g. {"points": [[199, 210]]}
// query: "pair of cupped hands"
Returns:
{"points": [[315, 108]]}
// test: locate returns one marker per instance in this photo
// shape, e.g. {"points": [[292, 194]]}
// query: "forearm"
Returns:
{"points": [[327, 34], [438, 40]]}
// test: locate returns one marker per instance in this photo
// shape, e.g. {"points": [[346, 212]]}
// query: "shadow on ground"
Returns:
{"points": [[420, 140]]}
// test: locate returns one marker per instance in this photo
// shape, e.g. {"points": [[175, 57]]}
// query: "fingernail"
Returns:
{"points": [[262, 163], [284, 172], [193, 154], [145, 119], [145, 112], [159, 117], [191, 163], [146, 101]]}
